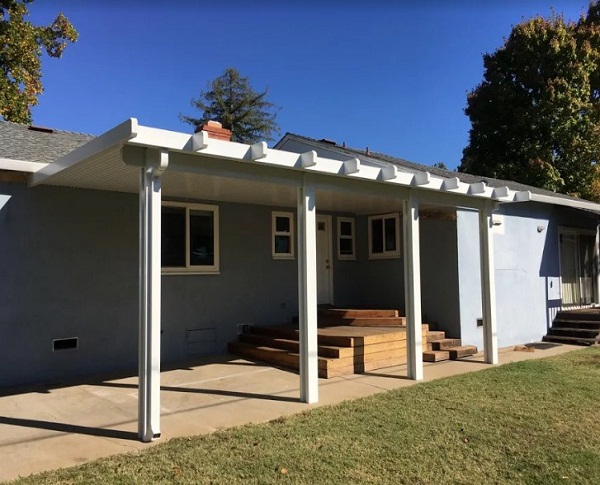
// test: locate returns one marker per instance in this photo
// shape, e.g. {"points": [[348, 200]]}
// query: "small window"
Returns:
{"points": [[190, 238], [283, 235], [384, 236], [346, 239]]}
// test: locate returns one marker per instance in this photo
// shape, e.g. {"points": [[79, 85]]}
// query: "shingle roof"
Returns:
{"points": [[411, 166], [20, 142]]}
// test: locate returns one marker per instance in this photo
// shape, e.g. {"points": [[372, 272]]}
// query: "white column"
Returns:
{"points": [[149, 298], [412, 287], [307, 294], [596, 267], [488, 284]]}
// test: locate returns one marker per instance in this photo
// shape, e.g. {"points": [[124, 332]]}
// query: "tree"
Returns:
{"points": [[21, 45], [536, 116], [231, 100]]}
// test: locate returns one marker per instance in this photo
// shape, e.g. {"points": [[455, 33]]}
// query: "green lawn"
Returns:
{"points": [[530, 422]]}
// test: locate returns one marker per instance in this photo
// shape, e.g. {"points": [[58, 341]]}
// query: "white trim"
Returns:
{"points": [[352, 237], [21, 165], [385, 254], [275, 233], [189, 268], [575, 203]]}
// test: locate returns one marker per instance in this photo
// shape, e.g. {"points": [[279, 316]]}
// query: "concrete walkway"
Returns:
{"points": [[47, 428]]}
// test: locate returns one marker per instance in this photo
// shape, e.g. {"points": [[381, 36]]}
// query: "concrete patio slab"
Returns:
{"points": [[45, 428]]}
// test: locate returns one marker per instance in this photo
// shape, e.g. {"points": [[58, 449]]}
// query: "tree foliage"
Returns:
{"points": [[231, 100], [21, 45], [536, 115]]}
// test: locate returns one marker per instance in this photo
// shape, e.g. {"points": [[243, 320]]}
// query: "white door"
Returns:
{"points": [[324, 261]]}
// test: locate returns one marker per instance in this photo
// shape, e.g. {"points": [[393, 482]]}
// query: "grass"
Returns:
{"points": [[527, 422]]}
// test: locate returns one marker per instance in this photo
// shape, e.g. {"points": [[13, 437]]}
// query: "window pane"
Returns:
{"points": [[173, 237], [346, 247], [283, 245], [345, 228], [377, 235], [390, 234], [282, 224], [202, 241]]}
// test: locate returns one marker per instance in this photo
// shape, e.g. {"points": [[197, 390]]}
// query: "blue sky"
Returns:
{"points": [[392, 76]]}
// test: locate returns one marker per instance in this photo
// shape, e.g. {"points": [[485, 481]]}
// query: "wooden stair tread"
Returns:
{"points": [[445, 343], [570, 340]]}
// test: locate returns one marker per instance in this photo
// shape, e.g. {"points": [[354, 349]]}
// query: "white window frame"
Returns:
{"points": [[196, 269], [385, 254], [274, 233], [351, 237]]}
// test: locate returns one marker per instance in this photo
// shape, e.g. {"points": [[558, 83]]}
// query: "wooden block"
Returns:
{"points": [[436, 355], [462, 351], [353, 313], [445, 343], [435, 335]]}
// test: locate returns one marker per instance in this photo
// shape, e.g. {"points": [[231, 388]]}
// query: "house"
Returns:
{"points": [[144, 246]]}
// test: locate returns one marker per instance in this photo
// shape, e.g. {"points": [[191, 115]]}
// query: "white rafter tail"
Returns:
{"points": [[308, 159], [450, 184], [522, 196], [199, 141], [351, 166], [257, 151], [389, 173], [477, 188], [500, 192], [421, 178]]}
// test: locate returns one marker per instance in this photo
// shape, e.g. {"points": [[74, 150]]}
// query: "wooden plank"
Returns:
{"points": [[359, 369], [11, 176], [359, 361], [436, 355], [356, 313]]}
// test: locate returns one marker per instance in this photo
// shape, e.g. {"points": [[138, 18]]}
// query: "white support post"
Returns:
{"points": [[596, 267], [412, 287], [307, 293], [149, 298], [488, 284]]}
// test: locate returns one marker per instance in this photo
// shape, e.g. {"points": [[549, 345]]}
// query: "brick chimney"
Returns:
{"points": [[215, 130]]}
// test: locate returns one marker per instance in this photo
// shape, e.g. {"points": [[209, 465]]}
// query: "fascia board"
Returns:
{"points": [[21, 165], [117, 135]]}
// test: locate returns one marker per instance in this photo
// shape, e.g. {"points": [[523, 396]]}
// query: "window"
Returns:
{"points": [[345, 234], [384, 236], [190, 238], [283, 235]]}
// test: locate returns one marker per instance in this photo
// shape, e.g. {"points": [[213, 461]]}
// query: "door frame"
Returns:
{"points": [[329, 237], [577, 232]]}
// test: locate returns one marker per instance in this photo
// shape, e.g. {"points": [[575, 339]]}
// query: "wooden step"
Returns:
{"points": [[570, 340], [323, 350], [462, 351], [327, 367], [354, 313], [583, 324], [573, 332], [445, 343], [436, 355], [363, 321], [435, 335]]}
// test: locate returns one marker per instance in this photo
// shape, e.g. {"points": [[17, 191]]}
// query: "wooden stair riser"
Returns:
{"points": [[362, 321], [446, 343], [570, 340], [436, 355], [353, 313], [435, 335], [573, 332], [590, 316], [584, 325]]}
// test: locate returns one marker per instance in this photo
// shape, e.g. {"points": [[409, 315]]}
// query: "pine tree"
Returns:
{"points": [[231, 100]]}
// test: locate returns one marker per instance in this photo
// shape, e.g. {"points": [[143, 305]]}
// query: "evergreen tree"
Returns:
{"points": [[21, 45], [231, 100], [536, 116]]}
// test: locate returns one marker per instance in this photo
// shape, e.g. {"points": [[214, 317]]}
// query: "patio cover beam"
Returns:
{"points": [[488, 284], [412, 287], [307, 292], [154, 164]]}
